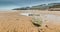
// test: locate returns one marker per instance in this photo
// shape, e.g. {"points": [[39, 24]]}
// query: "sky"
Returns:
{"points": [[11, 4]]}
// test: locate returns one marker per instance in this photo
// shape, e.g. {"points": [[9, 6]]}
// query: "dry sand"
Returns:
{"points": [[13, 22]]}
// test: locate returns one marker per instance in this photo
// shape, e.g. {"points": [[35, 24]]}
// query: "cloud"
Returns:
{"points": [[22, 3]]}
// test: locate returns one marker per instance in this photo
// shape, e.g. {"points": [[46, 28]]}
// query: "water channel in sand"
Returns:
{"points": [[51, 18]]}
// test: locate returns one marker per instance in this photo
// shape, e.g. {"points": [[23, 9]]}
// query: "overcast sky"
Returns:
{"points": [[10, 4]]}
